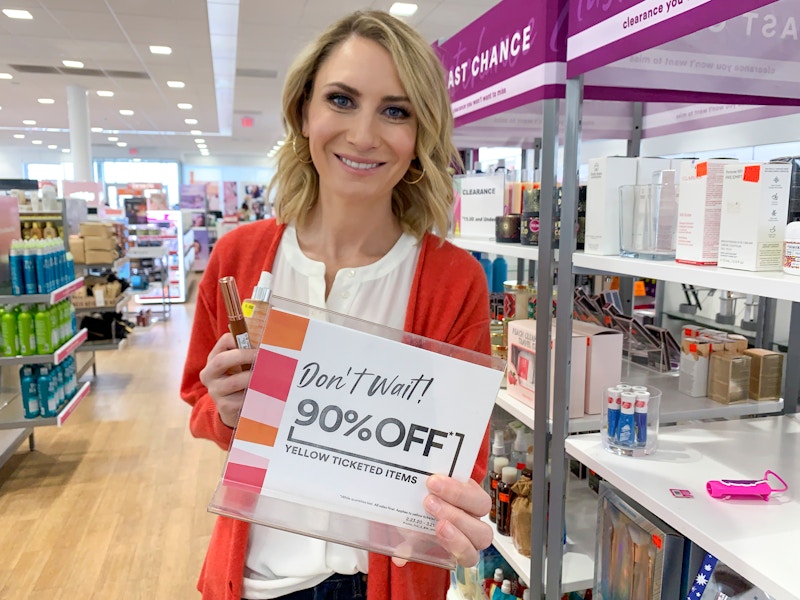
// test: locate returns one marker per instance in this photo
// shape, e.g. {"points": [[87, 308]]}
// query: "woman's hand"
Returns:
{"points": [[226, 375], [458, 507]]}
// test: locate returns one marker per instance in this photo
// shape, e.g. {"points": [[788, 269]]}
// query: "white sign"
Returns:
{"points": [[479, 199]]}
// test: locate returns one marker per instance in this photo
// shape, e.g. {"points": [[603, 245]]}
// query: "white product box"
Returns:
{"points": [[755, 201], [646, 166], [699, 204], [693, 374], [521, 367], [603, 363], [606, 175]]}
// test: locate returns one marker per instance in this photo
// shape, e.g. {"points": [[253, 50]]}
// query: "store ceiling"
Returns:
{"points": [[112, 39]]}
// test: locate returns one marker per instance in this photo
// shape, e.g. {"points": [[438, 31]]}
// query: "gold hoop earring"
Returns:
{"points": [[417, 180], [294, 147]]}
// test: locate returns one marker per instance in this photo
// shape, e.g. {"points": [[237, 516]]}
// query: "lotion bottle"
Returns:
{"points": [[255, 309]]}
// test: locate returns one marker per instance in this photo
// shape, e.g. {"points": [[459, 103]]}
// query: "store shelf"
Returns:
{"points": [[675, 406], [51, 298], [577, 573], [147, 252], [113, 265], [774, 284], [10, 440], [751, 536], [13, 415], [512, 250], [117, 306], [55, 358], [102, 345]]}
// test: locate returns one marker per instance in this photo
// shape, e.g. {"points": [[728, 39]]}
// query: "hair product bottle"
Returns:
{"points": [[495, 475], [504, 500]]}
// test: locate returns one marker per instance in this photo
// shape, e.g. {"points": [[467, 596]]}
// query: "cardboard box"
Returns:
{"points": [[755, 201], [766, 374], [78, 249], [95, 229], [606, 175], [728, 377], [100, 243], [603, 363], [693, 373], [521, 367], [100, 257], [699, 204]]}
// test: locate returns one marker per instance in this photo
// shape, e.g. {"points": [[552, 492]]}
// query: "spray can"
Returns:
{"points": [[29, 267], [17, 265]]}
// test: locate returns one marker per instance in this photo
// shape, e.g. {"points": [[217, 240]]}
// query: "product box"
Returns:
{"points": [[521, 366], [100, 257], [100, 243], [78, 249], [766, 374], [606, 175], [755, 200], [693, 373], [728, 377], [699, 204], [648, 166], [603, 363], [95, 229]]}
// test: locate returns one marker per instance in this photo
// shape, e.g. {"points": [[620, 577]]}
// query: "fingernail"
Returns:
{"points": [[447, 530], [433, 505], [435, 484]]}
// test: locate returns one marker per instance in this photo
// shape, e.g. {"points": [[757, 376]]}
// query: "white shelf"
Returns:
{"points": [[577, 567], [773, 284], [49, 298], [482, 245], [147, 252], [753, 537], [55, 358], [10, 440]]}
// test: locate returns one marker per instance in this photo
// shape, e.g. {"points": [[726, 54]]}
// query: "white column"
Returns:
{"points": [[80, 133]]}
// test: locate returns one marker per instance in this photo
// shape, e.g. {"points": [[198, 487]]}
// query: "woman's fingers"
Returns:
{"points": [[226, 375]]}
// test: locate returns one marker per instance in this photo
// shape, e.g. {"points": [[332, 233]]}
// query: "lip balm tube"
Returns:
{"points": [[233, 306], [613, 399], [626, 434], [640, 417]]}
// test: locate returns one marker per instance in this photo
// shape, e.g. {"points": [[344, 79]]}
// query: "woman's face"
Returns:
{"points": [[360, 124]]}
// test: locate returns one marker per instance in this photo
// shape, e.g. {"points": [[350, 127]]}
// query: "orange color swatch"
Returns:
{"points": [[702, 169], [255, 432], [285, 330], [752, 173]]}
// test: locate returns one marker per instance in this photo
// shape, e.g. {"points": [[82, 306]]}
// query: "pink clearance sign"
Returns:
{"points": [[604, 31], [512, 55]]}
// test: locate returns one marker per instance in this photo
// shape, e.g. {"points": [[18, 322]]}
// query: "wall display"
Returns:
{"points": [[193, 195], [255, 198], [230, 197]]}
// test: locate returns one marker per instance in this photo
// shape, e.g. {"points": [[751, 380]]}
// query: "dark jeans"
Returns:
{"points": [[335, 587]]}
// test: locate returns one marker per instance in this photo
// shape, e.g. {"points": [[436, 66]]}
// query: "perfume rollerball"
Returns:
{"points": [[233, 306]]}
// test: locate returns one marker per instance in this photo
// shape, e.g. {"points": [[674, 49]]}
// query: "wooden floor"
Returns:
{"points": [[113, 504]]}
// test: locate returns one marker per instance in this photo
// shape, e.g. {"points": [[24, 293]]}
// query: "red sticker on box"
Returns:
{"points": [[752, 173], [701, 170]]}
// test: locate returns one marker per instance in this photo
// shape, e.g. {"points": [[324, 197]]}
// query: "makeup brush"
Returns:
{"points": [[730, 584]]}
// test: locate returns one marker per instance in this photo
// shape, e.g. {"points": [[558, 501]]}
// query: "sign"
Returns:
{"points": [[512, 55], [604, 31], [478, 200], [661, 118], [357, 432]]}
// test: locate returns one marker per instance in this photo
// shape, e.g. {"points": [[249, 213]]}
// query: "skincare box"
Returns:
{"points": [[693, 374], [755, 199], [728, 377], [606, 175], [766, 374], [647, 167], [521, 367], [603, 363], [699, 204]]}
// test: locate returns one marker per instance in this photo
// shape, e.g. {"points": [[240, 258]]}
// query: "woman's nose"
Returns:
{"points": [[363, 132]]}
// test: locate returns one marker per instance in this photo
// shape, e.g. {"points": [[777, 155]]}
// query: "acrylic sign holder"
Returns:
{"points": [[345, 457]]}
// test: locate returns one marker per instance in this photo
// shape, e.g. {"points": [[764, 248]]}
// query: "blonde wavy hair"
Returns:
{"points": [[421, 207]]}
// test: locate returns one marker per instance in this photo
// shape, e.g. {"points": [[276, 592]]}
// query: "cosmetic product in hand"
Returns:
{"points": [[495, 475], [233, 306], [626, 428], [255, 309], [505, 497], [640, 416]]}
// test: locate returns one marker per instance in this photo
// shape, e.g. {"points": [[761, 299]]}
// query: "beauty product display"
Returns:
{"points": [[630, 419], [35, 329], [39, 266], [46, 389]]}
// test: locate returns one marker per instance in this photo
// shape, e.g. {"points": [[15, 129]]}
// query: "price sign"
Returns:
{"points": [[354, 423]]}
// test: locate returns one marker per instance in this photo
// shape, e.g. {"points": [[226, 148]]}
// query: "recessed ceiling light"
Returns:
{"points": [[190, 121], [36, 142], [46, 101], [199, 141], [105, 93], [52, 147], [113, 138], [97, 130], [19, 136], [204, 152], [12, 13], [184, 106], [72, 64], [160, 49], [403, 9], [176, 84], [29, 122], [196, 132], [202, 146], [126, 112], [122, 144], [65, 150], [6, 76]]}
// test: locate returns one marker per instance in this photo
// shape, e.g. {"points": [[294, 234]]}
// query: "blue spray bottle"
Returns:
{"points": [[17, 264], [30, 391], [499, 275]]}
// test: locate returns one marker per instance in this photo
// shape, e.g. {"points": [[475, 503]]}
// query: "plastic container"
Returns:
{"points": [[648, 217], [630, 420], [791, 249]]}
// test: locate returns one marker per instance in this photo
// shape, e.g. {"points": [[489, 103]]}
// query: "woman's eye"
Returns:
{"points": [[396, 112], [339, 100]]}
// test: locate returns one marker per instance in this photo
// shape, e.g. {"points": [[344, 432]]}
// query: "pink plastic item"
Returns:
{"points": [[745, 488]]}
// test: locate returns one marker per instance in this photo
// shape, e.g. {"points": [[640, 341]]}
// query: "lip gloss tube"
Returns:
{"points": [[640, 417], [233, 306]]}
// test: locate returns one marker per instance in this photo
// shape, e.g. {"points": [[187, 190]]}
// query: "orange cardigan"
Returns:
{"points": [[448, 302]]}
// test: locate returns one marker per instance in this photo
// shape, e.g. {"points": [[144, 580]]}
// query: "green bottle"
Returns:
{"points": [[26, 331], [55, 333], [44, 332], [8, 328]]}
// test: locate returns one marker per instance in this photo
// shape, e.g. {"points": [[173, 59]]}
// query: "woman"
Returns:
{"points": [[361, 185]]}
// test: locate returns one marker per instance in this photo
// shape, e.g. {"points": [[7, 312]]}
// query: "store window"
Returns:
{"points": [[118, 173], [55, 172]]}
